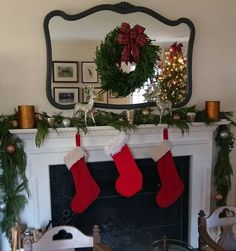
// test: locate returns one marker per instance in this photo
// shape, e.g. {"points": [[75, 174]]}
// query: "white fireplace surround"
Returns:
{"points": [[198, 143]]}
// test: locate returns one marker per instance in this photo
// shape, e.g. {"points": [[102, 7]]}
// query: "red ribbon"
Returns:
{"points": [[165, 134], [77, 139], [132, 39], [175, 49]]}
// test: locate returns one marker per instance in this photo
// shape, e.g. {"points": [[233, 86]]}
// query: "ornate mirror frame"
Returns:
{"points": [[121, 8]]}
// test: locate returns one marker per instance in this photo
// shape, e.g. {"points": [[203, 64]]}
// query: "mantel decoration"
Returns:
{"points": [[126, 46], [13, 180]]}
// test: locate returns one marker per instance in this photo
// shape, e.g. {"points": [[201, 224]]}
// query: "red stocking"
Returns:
{"points": [[86, 189], [130, 180], [171, 184]]}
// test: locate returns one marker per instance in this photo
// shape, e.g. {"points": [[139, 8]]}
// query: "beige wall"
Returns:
{"points": [[23, 53]]}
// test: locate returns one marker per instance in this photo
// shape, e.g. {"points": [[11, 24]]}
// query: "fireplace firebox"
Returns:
{"points": [[125, 223]]}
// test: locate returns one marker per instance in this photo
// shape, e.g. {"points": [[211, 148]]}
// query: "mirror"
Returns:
{"points": [[71, 42]]}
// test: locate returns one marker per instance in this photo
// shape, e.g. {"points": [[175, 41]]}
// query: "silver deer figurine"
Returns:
{"points": [[86, 108], [163, 105]]}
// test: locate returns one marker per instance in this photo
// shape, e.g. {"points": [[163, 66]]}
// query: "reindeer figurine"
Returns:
{"points": [[86, 108], [163, 105]]}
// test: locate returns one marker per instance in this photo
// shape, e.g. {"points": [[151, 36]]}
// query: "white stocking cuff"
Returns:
{"points": [[73, 156], [116, 144], [161, 150]]}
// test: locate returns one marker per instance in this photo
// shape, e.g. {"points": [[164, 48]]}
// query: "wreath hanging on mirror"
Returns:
{"points": [[122, 48]]}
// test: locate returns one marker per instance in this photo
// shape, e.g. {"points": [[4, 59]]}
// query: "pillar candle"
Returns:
{"points": [[26, 115], [212, 109]]}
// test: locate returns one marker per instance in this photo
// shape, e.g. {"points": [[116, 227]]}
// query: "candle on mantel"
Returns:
{"points": [[26, 116], [212, 109]]}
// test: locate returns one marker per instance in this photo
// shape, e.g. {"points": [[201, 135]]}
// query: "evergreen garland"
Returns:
{"points": [[13, 181], [111, 75], [223, 169]]}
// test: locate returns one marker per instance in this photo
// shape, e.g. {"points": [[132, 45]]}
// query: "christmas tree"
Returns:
{"points": [[170, 83], [172, 74]]}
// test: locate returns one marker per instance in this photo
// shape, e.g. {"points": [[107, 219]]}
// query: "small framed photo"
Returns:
{"points": [[65, 71], [102, 97], [66, 95], [89, 72]]}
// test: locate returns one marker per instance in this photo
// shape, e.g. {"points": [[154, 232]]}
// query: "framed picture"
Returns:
{"points": [[66, 95], [102, 97], [89, 72], [65, 71]]}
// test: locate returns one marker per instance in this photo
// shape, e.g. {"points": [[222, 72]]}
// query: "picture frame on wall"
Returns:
{"points": [[66, 95], [89, 72], [65, 71], [102, 97]]}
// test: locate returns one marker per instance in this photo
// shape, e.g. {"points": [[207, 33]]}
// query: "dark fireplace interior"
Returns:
{"points": [[126, 224]]}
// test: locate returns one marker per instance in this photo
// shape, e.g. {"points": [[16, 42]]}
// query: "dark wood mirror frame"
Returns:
{"points": [[121, 8]]}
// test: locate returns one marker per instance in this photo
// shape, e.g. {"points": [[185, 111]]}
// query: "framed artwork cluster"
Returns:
{"points": [[68, 72], [74, 79]]}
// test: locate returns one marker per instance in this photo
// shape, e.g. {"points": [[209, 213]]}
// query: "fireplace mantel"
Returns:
{"points": [[198, 143]]}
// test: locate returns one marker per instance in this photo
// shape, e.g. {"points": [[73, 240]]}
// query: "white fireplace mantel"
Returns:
{"points": [[198, 143]]}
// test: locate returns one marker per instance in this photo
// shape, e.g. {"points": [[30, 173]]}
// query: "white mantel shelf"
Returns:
{"points": [[198, 143], [99, 135]]}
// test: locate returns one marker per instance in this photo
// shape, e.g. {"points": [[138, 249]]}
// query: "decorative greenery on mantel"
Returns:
{"points": [[13, 180]]}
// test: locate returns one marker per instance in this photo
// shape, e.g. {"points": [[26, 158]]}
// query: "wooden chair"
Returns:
{"points": [[216, 230], [67, 238]]}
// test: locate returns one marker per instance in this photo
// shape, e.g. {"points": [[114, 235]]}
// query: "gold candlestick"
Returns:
{"points": [[212, 109], [26, 116]]}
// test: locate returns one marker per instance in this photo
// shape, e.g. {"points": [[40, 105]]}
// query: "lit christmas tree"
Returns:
{"points": [[172, 75], [170, 83]]}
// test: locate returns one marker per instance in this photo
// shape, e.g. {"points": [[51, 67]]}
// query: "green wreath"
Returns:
{"points": [[111, 75]]}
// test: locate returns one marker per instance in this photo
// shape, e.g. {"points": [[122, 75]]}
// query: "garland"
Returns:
{"points": [[13, 180], [223, 169], [108, 59], [13, 159]]}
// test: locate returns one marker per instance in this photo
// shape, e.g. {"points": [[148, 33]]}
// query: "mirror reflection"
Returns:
{"points": [[73, 44]]}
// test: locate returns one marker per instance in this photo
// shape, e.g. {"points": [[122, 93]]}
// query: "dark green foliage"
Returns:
{"points": [[223, 169], [117, 121], [202, 117], [13, 181], [42, 131], [79, 124], [111, 75], [151, 118]]}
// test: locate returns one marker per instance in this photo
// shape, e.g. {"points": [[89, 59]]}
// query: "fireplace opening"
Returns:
{"points": [[126, 224]]}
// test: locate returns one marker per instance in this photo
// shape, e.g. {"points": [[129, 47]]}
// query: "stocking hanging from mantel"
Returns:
{"points": [[86, 189], [171, 184], [130, 178]]}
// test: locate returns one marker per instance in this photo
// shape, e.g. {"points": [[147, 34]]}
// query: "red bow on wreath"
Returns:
{"points": [[176, 48], [133, 39]]}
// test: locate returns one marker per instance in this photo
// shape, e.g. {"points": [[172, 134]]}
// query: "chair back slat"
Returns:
{"points": [[222, 216], [67, 238], [223, 219]]}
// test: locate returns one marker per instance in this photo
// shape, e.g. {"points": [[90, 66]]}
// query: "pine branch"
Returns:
{"points": [[42, 132]]}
